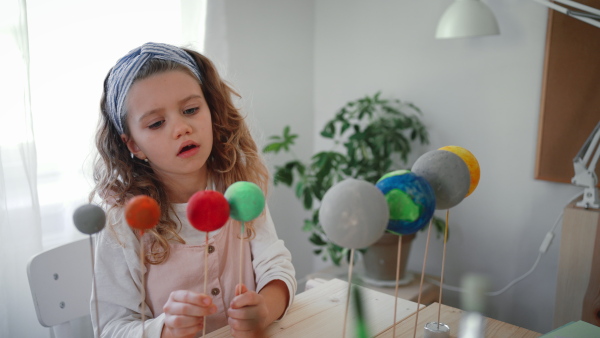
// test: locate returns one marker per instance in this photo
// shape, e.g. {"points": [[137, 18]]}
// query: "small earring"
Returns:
{"points": [[131, 156], [146, 160]]}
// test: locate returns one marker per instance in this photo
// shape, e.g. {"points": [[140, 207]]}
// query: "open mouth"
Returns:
{"points": [[187, 148]]}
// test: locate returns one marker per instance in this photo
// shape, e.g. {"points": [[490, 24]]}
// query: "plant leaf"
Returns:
{"points": [[283, 175], [308, 225], [329, 130], [307, 198], [317, 240]]}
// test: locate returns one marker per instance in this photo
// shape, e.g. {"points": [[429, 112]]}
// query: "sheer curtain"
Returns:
{"points": [[20, 232], [55, 55]]}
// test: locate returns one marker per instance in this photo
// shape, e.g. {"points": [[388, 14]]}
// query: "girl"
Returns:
{"points": [[168, 128]]}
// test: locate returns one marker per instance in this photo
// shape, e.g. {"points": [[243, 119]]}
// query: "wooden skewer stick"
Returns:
{"points": [[397, 279], [443, 264], [94, 290], [205, 279], [422, 277], [142, 212], [91, 219], [241, 255], [143, 284], [348, 294]]}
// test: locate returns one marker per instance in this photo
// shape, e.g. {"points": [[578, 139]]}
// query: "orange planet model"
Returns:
{"points": [[471, 163], [142, 212]]}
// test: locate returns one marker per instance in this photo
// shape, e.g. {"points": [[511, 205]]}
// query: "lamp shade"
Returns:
{"points": [[465, 18]]}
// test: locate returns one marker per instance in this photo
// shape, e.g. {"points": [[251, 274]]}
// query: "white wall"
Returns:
{"points": [[297, 62], [271, 63]]}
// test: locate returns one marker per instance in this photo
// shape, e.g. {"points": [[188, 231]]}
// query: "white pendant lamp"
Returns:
{"points": [[467, 18]]}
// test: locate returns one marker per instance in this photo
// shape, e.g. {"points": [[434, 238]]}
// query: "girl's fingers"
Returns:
{"points": [[243, 325], [183, 324], [184, 332], [240, 288], [185, 309], [245, 299], [189, 303], [190, 297], [183, 319], [246, 313]]}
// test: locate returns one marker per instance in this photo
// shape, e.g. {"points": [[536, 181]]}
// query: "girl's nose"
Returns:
{"points": [[182, 127]]}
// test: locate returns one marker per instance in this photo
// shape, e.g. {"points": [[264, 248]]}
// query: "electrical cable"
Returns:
{"points": [[543, 248]]}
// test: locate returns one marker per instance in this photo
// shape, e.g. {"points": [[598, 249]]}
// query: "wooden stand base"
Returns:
{"points": [[578, 286]]}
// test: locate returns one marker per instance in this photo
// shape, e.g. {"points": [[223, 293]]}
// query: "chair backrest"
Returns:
{"points": [[61, 284]]}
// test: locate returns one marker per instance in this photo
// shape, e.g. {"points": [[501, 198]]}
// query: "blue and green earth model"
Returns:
{"points": [[411, 201]]}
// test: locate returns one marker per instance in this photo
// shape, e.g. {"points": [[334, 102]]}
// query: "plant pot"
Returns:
{"points": [[380, 260]]}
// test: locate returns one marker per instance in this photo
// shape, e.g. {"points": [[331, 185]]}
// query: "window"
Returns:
{"points": [[73, 44]]}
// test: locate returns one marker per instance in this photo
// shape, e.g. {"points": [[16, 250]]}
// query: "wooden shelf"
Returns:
{"points": [[570, 100]]}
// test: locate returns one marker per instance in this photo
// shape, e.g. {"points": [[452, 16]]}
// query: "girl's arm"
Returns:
{"points": [[277, 297], [271, 260]]}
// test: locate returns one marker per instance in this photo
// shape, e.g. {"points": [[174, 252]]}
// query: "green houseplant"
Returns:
{"points": [[375, 136]]}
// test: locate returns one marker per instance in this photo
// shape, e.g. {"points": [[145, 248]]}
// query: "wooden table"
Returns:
{"points": [[430, 292], [451, 316], [319, 312]]}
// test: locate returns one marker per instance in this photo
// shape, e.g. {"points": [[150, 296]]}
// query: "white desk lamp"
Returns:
{"points": [[585, 170], [469, 18]]}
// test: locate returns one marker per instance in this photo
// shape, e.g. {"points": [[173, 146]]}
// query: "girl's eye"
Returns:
{"points": [[156, 125], [190, 111]]}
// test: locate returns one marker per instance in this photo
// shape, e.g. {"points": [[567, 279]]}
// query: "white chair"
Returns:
{"points": [[61, 285]]}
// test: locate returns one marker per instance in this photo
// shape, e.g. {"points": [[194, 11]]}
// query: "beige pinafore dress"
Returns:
{"points": [[184, 270]]}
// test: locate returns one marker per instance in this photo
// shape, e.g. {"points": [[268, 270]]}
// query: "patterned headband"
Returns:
{"points": [[122, 75]]}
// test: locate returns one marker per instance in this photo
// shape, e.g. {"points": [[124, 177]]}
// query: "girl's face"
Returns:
{"points": [[170, 125]]}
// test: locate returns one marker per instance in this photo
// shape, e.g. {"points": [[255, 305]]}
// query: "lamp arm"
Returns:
{"points": [[579, 6], [588, 147], [583, 14], [585, 169], [585, 17], [594, 161]]}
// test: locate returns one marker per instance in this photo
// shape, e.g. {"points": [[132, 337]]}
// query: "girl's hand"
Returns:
{"points": [[247, 313], [184, 313]]}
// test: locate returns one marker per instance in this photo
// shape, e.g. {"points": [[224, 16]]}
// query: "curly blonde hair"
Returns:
{"points": [[234, 156]]}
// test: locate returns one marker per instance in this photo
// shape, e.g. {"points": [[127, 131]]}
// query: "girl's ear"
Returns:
{"points": [[133, 147]]}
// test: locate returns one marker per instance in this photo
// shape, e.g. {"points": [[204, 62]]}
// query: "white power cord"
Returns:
{"points": [[543, 248]]}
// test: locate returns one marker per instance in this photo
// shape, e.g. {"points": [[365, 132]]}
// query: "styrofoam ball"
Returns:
{"points": [[354, 214], [447, 174]]}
